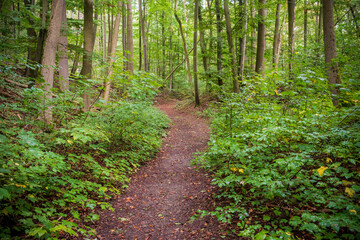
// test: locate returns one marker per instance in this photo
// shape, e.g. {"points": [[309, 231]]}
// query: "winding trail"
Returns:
{"points": [[163, 195]]}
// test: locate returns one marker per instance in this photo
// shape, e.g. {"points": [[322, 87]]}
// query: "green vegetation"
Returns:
{"points": [[55, 177], [286, 161]]}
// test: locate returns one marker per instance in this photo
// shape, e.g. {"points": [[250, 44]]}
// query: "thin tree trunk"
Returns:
{"points": [[320, 27], [48, 60], [163, 68], [243, 41], [305, 25], [185, 48], [86, 70], [219, 50], [171, 81], [124, 37], [211, 42], [111, 59], [261, 44], [253, 36], [330, 50], [144, 42], [130, 44], [196, 87], [236, 88], [291, 25], [277, 36], [31, 59], [202, 43], [63, 53], [104, 36]]}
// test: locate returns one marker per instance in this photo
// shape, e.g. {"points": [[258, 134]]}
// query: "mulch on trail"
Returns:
{"points": [[163, 195]]}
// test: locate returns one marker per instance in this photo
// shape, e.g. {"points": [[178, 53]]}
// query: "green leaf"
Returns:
{"points": [[4, 194], [261, 235]]}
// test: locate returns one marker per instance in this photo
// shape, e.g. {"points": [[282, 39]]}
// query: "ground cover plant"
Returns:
{"points": [[286, 162], [54, 179]]}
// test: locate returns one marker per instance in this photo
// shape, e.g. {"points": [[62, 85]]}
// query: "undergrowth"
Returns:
{"points": [[286, 161], [56, 178]]}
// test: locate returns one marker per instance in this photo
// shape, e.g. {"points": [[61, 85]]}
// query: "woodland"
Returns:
{"points": [[279, 82]]}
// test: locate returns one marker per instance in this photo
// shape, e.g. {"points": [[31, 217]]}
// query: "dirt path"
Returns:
{"points": [[163, 195]]}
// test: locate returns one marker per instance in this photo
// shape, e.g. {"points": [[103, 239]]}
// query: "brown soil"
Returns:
{"points": [[163, 195]]}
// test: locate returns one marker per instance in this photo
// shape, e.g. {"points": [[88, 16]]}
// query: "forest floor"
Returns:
{"points": [[164, 194]]}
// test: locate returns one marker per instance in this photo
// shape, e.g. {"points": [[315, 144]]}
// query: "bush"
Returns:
{"points": [[52, 183], [286, 166]]}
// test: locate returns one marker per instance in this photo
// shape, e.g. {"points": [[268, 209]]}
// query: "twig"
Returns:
{"points": [[17, 84]]}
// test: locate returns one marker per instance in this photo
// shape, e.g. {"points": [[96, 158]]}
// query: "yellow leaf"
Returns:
{"points": [[69, 141], [353, 211], [328, 160], [233, 169], [276, 91], [241, 170], [346, 183], [321, 170], [5, 212], [349, 191]]}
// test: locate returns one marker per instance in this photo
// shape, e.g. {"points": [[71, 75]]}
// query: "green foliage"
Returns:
{"points": [[53, 183], [286, 160]]}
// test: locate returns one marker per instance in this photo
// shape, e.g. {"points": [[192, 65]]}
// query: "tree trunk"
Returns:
{"points": [[48, 60], [261, 44], [291, 25], [63, 53], [243, 41], [123, 34], [330, 50], [88, 46], [305, 25], [31, 59], [196, 87], [236, 88], [320, 27], [253, 37], [185, 48], [111, 58], [171, 81], [104, 36], [277, 36], [219, 50], [211, 44], [144, 42], [202, 42], [130, 44]]}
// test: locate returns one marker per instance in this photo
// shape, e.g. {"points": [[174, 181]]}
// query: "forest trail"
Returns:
{"points": [[163, 195]]}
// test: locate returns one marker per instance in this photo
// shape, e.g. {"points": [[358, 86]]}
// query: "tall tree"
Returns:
{"points": [[111, 59], [261, 41], [196, 87], [144, 41], [243, 40], [305, 24], [130, 42], [88, 47], [277, 36], [63, 61], [202, 42], [291, 24], [330, 49], [219, 50], [31, 59], [48, 60], [185, 47], [236, 88]]}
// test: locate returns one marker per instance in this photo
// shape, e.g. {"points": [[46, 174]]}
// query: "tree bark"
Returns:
{"points": [[48, 60], [243, 41], [330, 50], [196, 87], [144, 41], [261, 44], [63, 53], [219, 50], [31, 59], [236, 88], [202, 42], [305, 24], [88, 47], [253, 37], [185, 48], [130, 43], [111, 58], [291, 25], [277, 36]]}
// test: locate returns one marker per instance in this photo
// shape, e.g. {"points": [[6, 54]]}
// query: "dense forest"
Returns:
{"points": [[280, 79]]}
